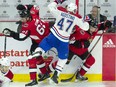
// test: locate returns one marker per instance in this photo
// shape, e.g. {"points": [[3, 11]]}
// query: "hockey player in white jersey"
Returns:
{"points": [[60, 33], [6, 74]]}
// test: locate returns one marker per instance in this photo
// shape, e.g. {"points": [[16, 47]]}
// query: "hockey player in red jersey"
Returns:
{"points": [[34, 11], [6, 74], [80, 40], [36, 29], [60, 33]]}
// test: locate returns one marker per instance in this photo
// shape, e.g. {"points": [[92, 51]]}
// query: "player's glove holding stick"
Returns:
{"points": [[7, 32]]}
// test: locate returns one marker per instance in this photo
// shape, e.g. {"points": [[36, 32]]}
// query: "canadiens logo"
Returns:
{"points": [[109, 44]]}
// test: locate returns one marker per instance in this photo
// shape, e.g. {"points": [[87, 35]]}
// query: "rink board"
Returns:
{"points": [[17, 52]]}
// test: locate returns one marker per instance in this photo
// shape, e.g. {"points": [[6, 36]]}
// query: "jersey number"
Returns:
{"points": [[41, 29], [61, 24]]}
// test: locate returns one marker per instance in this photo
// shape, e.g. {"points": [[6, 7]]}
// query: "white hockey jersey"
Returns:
{"points": [[65, 23]]}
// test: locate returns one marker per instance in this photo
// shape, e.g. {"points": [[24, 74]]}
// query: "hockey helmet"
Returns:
{"points": [[24, 13], [72, 7], [92, 24]]}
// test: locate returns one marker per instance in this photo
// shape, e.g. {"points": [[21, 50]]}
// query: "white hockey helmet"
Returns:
{"points": [[4, 61], [72, 7]]}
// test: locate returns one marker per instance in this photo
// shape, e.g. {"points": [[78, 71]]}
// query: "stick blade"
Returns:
{"points": [[66, 80]]}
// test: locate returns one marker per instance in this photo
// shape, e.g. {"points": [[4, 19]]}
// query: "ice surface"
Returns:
{"points": [[69, 84]]}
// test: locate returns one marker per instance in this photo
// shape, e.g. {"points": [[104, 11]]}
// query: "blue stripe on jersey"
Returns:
{"points": [[59, 35]]}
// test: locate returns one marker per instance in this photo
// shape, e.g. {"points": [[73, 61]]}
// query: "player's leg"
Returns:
{"points": [[32, 66], [46, 44], [86, 66], [62, 54], [52, 66], [32, 72], [6, 78], [42, 67]]}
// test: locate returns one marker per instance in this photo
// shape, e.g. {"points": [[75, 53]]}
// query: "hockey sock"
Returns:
{"points": [[60, 65], [32, 68], [52, 67], [86, 66]]}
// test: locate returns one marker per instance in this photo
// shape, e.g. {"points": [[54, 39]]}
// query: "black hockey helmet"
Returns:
{"points": [[24, 13], [93, 24], [20, 7]]}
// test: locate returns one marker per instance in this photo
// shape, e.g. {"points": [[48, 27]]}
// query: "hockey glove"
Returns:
{"points": [[7, 32], [77, 44], [108, 24], [86, 43]]}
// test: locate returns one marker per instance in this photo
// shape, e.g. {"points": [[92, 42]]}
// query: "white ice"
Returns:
{"points": [[69, 84]]}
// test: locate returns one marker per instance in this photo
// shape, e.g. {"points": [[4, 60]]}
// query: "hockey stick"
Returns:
{"points": [[69, 79], [5, 39]]}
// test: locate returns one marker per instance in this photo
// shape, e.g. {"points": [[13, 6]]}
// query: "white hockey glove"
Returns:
{"points": [[38, 52], [5, 61], [4, 65], [7, 32]]}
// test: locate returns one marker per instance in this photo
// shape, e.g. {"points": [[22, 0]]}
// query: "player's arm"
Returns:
{"points": [[15, 35], [82, 24], [104, 25], [53, 6]]}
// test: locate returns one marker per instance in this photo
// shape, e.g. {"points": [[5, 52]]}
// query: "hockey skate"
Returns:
{"points": [[54, 78], [43, 77], [80, 78], [32, 83]]}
